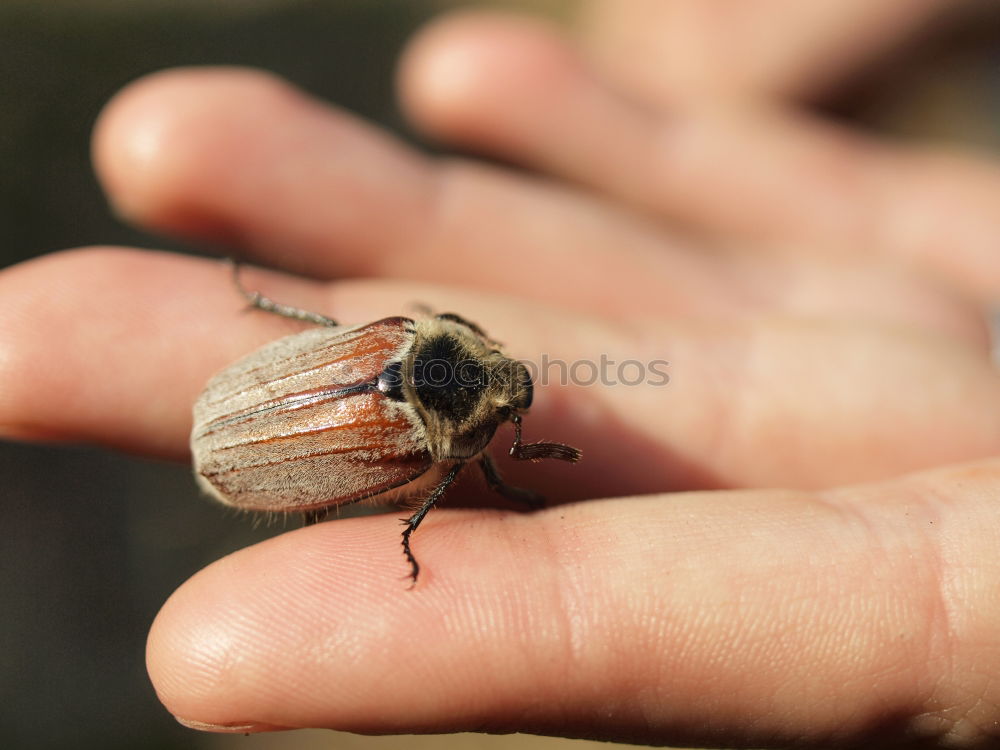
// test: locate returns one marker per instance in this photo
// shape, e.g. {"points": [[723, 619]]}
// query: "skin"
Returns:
{"points": [[828, 351], [773, 48]]}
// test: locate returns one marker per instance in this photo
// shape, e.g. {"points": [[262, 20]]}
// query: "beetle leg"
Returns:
{"points": [[413, 521], [258, 300], [496, 483]]}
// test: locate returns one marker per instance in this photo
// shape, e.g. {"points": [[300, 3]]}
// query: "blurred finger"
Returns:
{"points": [[783, 48], [239, 158], [87, 335], [764, 178], [307, 188], [114, 346]]}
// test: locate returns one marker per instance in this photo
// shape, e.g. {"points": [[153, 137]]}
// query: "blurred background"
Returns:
{"points": [[93, 542]]}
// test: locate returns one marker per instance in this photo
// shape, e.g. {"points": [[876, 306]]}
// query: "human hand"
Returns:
{"points": [[754, 614], [717, 151]]}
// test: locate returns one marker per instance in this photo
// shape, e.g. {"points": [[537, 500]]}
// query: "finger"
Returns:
{"points": [[239, 158], [863, 617], [113, 347], [86, 335], [783, 48], [762, 177]]}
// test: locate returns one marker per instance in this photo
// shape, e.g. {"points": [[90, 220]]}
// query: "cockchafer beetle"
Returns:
{"points": [[338, 414]]}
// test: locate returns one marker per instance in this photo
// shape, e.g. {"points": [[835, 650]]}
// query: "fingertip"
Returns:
{"points": [[191, 656], [155, 143], [36, 300], [466, 74], [241, 158], [219, 650], [84, 338], [287, 632]]}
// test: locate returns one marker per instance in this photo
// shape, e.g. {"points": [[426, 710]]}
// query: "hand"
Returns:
{"points": [[741, 614]]}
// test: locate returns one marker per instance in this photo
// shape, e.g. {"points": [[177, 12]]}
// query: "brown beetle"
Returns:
{"points": [[334, 415]]}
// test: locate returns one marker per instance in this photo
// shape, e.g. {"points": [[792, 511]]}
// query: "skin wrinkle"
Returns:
{"points": [[336, 644], [558, 545], [649, 694], [571, 593], [528, 637], [943, 620], [981, 707], [532, 659], [456, 622], [866, 526], [767, 649], [728, 642], [964, 727], [941, 638], [446, 530], [627, 637], [252, 660]]}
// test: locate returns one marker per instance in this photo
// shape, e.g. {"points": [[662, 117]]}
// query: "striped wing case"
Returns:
{"points": [[301, 424]]}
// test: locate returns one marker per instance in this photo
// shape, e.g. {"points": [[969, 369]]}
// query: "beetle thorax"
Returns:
{"points": [[462, 387]]}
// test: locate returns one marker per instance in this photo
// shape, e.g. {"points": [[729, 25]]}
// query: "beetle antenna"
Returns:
{"points": [[536, 451]]}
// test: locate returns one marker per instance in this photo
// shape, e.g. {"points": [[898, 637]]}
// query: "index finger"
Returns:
{"points": [[747, 618]]}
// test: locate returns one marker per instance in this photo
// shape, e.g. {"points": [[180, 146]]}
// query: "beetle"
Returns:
{"points": [[382, 411]]}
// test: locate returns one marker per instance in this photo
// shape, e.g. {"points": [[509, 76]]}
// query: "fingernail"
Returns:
{"points": [[240, 728]]}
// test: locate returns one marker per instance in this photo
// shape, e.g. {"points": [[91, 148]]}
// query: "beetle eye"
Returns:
{"points": [[390, 382]]}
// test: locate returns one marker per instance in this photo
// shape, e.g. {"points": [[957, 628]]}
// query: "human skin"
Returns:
{"points": [[764, 49], [856, 605]]}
